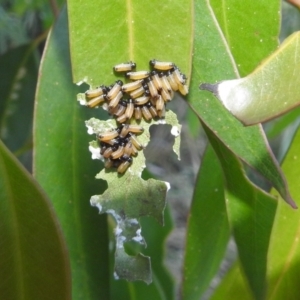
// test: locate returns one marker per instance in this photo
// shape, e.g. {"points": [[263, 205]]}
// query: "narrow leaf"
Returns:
{"points": [[33, 256], [271, 90], [283, 258], [251, 214], [63, 167], [283, 270], [247, 143], [208, 229], [233, 285]]}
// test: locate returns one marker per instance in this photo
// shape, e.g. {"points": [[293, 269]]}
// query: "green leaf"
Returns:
{"points": [[233, 286], [251, 215], [210, 66], [248, 25], [208, 229], [269, 91], [127, 30], [283, 270], [123, 33], [33, 256], [63, 166], [129, 197], [284, 251]]}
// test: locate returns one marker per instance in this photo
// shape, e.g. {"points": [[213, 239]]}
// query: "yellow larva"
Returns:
{"points": [[164, 81], [120, 109], [135, 128], [123, 118], [118, 153], [141, 100], [134, 151], [152, 110], [146, 113], [137, 93], [124, 165], [95, 101], [115, 90], [156, 80], [128, 149], [115, 101], [95, 92], [107, 136], [172, 81], [129, 109], [161, 65], [178, 77], [131, 86], [162, 113], [137, 112], [125, 67], [183, 89], [135, 142], [152, 89], [124, 131], [137, 75], [107, 153], [165, 95], [160, 103]]}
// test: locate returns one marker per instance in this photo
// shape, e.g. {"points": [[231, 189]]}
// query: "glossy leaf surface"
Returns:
{"points": [[251, 215], [283, 257], [208, 229], [33, 256], [128, 30], [63, 166], [211, 66], [233, 285], [122, 33], [271, 90], [248, 25]]}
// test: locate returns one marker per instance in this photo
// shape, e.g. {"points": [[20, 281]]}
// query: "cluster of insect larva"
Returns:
{"points": [[145, 96], [118, 145]]}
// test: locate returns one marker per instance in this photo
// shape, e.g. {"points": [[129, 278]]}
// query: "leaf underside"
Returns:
{"points": [[271, 90]]}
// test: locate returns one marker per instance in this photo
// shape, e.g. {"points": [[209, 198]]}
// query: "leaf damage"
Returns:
{"points": [[129, 197]]}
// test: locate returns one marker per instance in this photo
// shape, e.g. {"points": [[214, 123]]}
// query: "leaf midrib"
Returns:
{"points": [[130, 28]]}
